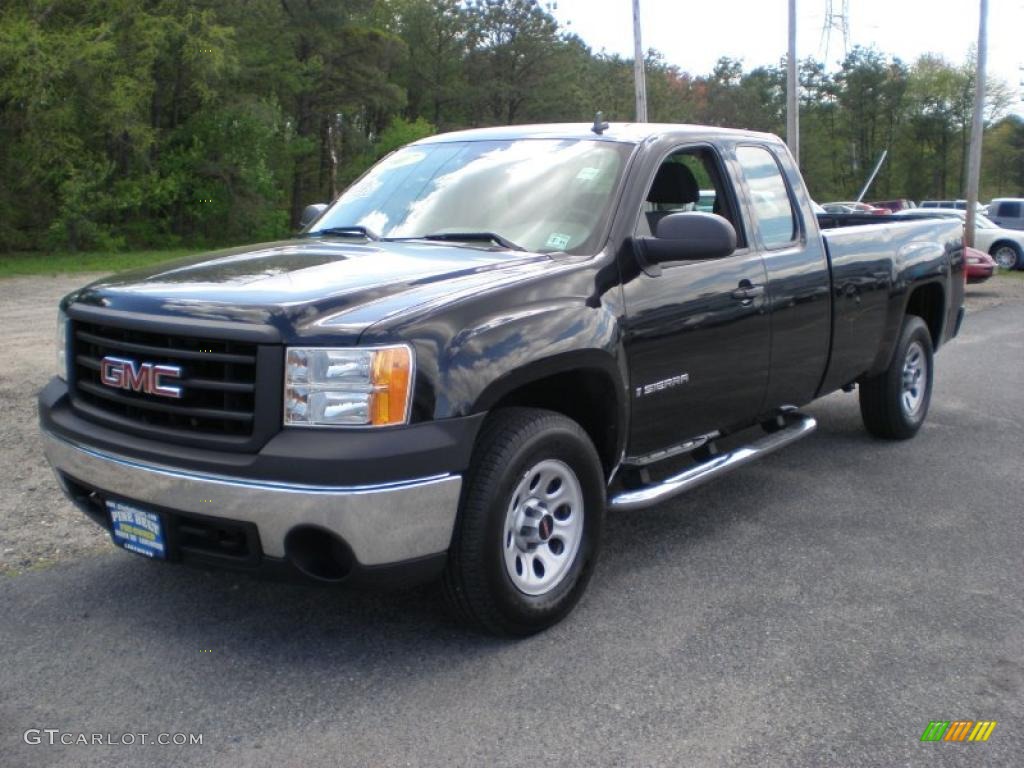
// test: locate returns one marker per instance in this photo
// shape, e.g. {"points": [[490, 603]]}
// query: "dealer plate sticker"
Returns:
{"points": [[137, 530]]}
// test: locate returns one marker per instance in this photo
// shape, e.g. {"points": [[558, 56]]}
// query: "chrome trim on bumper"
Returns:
{"points": [[381, 523]]}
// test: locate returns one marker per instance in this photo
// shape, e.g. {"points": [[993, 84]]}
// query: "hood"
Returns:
{"points": [[308, 287]]}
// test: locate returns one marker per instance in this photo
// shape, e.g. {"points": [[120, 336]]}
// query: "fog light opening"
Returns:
{"points": [[318, 554]]}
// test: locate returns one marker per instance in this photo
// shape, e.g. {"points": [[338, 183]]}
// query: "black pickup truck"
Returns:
{"points": [[489, 339]]}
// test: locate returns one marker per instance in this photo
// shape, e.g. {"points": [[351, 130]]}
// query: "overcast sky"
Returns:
{"points": [[693, 34]]}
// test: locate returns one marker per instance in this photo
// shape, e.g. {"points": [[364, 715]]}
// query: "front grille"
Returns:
{"points": [[218, 381]]}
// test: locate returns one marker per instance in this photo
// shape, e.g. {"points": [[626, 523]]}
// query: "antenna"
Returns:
{"points": [[836, 21], [599, 126]]}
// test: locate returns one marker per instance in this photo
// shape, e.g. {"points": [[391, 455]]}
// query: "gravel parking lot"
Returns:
{"points": [[817, 608]]}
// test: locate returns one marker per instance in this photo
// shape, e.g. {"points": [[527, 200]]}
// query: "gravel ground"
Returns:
{"points": [[37, 525]]}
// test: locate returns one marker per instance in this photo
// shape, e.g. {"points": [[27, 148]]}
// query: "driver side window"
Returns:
{"points": [[687, 180]]}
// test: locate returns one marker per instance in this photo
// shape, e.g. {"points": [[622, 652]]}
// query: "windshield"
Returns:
{"points": [[543, 195]]}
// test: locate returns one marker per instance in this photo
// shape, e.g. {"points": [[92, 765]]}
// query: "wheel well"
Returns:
{"points": [[587, 397], [928, 303]]}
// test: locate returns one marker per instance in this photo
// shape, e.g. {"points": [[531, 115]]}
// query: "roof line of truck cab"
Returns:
{"points": [[632, 133]]}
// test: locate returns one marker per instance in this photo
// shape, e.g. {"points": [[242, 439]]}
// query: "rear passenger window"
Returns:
{"points": [[769, 196], [1009, 210]]}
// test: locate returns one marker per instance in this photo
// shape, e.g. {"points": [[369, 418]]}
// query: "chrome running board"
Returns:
{"points": [[797, 426]]}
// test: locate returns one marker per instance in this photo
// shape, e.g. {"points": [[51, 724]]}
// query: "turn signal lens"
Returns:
{"points": [[392, 377], [358, 387]]}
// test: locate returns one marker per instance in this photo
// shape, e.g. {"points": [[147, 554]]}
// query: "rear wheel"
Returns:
{"points": [[894, 404], [529, 525], [1007, 255]]}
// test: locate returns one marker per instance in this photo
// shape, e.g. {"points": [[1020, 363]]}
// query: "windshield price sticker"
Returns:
{"points": [[559, 241]]}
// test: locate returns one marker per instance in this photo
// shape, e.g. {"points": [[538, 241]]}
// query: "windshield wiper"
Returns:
{"points": [[467, 237], [355, 230]]}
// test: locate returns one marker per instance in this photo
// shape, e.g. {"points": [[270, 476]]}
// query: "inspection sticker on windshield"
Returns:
{"points": [[559, 241], [588, 174], [137, 530]]}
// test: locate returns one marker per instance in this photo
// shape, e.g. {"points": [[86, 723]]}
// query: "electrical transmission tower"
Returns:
{"points": [[837, 19]]}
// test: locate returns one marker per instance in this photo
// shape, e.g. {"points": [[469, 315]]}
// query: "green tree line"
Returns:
{"points": [[134, 123]]}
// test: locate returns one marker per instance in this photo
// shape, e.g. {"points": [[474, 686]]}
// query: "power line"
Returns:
{"points": [[836, 21]]}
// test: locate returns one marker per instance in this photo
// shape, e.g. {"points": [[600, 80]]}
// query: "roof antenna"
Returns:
{"points": [[599, 126]]}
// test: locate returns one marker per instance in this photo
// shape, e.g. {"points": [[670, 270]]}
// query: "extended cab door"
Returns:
{"points": [[786, 234], [697, 333]]}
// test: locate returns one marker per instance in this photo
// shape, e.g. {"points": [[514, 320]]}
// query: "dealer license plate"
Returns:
{"points": [[137, 530]]}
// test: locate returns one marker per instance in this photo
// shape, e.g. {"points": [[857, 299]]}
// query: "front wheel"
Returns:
{"points": [[893, 404], [529, 525], [1007, 256]]}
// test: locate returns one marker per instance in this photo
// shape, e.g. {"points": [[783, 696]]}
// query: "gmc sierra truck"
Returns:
{"points": [[487, 341]]}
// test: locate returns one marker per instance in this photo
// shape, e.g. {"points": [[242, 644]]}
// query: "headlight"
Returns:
{"points": [[325, 387], [62, 344]]}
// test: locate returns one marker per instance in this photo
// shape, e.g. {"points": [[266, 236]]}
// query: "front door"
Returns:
{"points": [[697, 333]]}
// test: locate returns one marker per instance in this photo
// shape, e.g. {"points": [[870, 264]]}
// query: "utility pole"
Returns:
{"points": [[977, 127], [639, 80], [792, 90]]}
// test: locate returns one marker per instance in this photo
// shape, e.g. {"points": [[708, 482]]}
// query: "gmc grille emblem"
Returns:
{"points": [[140, 377]]}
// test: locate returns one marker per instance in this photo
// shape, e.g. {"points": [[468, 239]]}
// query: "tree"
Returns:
{"points": [[159, 122], [511, 43]]}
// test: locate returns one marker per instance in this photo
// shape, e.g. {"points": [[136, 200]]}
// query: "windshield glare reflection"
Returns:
{"points": [[545, 195]]}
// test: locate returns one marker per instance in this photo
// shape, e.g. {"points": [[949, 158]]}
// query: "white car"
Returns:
{"points": [[960, 205], [852, 207], [1006, 246]]}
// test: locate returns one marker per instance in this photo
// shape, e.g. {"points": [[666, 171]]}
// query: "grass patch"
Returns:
{"points": [[1014, 275], [15, 264]]}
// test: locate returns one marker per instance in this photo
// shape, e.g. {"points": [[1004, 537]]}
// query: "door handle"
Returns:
{"points": [[747, 291]]}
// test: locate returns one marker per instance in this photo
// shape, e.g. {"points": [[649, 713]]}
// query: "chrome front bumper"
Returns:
{"points": [[382, 524]]}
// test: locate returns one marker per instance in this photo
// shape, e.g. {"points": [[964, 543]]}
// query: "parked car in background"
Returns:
{"points": [[895, 205], [853, 207], [1006, 246], [706, 202], [980, 266], [958, 205], [1007, 212]]}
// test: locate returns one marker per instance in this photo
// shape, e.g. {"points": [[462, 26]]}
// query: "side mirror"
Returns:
{"points": [[311, 213], [689, 236]]}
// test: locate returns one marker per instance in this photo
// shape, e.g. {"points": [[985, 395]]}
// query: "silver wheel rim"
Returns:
{"points": [[543, 527], [1005, 257], [915, 379]]}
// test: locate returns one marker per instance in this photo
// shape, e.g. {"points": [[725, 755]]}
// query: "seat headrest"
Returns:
{"points": [[674, 184]]}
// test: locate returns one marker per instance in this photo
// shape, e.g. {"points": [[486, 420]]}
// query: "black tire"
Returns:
{"points": [[883, 398], [1007, 255], [477, 583]]}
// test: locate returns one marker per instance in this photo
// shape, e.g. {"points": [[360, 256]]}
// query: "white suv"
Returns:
{"points": [[1007, 212]]}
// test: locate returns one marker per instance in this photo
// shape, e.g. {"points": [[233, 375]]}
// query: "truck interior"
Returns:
{"points": [[681, 181]]}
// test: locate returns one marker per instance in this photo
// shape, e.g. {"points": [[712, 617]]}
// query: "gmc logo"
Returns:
{"points": [[140, 377]]}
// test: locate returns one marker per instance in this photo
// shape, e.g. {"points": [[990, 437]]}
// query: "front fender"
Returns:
{"points": [[507, 350]]}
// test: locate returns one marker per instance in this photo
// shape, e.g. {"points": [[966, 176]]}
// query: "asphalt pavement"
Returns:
{"points": [[818, 608]]}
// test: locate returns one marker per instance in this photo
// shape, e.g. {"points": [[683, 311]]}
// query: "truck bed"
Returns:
{"points": [[871, 261]]}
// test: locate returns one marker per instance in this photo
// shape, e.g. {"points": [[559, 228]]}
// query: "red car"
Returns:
{"points": [[980, 266]]}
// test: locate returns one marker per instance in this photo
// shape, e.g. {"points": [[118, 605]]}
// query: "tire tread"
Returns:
{"points": [[879, 395]]}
